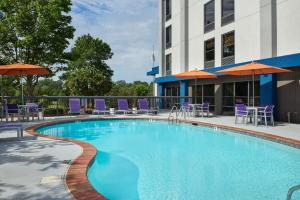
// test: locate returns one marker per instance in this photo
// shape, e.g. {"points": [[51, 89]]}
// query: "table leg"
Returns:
{"points": [[256, 119]]}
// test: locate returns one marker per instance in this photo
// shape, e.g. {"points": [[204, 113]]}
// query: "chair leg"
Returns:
{"points": [[266, 121], [272, 118]]}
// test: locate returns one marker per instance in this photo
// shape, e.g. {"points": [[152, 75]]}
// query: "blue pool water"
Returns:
{"points": [[149, 160]]}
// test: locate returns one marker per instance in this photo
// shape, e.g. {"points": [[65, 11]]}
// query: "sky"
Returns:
{"points": [[130, 27]]}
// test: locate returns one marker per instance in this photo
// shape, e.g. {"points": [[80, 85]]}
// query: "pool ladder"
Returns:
{"points": [[291, 191], [171, 117]]}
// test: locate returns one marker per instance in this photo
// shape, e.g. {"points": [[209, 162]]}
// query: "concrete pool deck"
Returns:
{"points": [[32, 168]]}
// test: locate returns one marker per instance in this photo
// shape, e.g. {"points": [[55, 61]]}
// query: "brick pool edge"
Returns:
{"points": [[76, 177]]}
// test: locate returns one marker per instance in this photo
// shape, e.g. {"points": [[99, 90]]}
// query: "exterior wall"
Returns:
{"points": [[288, 27], [289, 96], [263, 29]]}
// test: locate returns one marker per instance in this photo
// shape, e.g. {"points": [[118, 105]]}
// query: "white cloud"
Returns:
{"points": [[129, 26]]}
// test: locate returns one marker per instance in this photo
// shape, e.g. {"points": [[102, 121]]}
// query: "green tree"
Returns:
{"points": [[49, 87], [35, 32], [137, 88], [88, 74]]}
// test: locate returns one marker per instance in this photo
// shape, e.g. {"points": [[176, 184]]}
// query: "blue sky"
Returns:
{"points": [[129, 26]]}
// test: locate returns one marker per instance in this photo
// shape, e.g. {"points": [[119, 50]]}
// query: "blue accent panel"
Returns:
{"points": [[183, 90], [154, 71], [292, 60], [287, 61], [168, 79], [268, 90]]}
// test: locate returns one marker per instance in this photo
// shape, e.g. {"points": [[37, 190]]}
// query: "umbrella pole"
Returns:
{"points": [[253, 76], [195, 90], [22, 90], [202, 92]]}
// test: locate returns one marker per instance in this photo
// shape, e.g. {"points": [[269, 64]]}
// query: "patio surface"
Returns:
{"points": [[32, 168]]}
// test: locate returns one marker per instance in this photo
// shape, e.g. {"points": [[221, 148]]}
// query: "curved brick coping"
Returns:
{"points": [[76, 177], [267, 136]]}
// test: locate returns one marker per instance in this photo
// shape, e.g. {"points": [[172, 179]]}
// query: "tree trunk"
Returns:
{"points": [[30, 86]]}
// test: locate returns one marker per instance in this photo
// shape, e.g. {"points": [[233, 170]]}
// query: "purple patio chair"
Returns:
{"points": [[100, 107], [32, 110], [11, 110], [241, 112], [204, 108], [266, 113], [74, 106], [18, 127], [185, 107], [123, 106], [144, 106]]}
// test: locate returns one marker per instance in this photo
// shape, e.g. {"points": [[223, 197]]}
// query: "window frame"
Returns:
{"points": [[168, 68], [211, 26], [231, 32], [231, 17], [168, 44], [168, 16]]}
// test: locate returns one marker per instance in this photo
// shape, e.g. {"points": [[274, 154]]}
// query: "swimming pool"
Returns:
{"points": [[141, 159]]}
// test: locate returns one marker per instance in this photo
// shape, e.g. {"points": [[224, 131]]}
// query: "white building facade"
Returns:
{"points": [[213, 34]]}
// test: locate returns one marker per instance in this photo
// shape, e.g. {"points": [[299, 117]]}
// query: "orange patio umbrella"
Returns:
{"points": [[20, 69], [195, 74], [252, 69]]}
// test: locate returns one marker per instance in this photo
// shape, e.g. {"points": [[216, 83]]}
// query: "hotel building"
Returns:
{"points": [[212, 35]]}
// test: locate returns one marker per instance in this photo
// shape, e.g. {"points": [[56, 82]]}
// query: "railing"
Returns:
{"points": [[291, 191], [59, 105]]}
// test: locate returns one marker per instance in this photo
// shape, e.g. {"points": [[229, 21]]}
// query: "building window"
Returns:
{"points": [[227, 11], [168, 37], [168, 64], [168, 9], [209, 16], [228, 48], [209, 53]]}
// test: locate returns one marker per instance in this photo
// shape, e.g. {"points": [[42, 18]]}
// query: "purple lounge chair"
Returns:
{"points": [[123, 106], [74, 106], [241, 112], [204, 108], [18, 127], [266, 113], [11, 110], [144, 106], [100, 107]]}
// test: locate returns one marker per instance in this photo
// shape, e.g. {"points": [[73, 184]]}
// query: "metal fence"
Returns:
{"points": [[59, 105]]}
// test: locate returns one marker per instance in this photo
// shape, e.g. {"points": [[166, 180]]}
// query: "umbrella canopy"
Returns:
{"points": [[195, 74], [20, 69], [253, 68]]}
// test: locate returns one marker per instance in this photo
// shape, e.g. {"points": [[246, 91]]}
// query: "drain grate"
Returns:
{"points": [[51, 179], [67, 162]]}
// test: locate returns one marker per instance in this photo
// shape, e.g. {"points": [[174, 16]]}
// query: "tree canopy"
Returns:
{"points": [[137, 88], [87, 73], [35, 32]]}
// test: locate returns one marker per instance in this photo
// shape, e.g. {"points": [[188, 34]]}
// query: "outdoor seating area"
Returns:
{"points": [[20, 112], [255, 114], [100, 107]]}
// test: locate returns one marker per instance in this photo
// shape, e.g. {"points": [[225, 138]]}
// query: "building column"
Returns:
{"points": [[160, 93], [184, 89], [268, 90], [218, 99]]}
